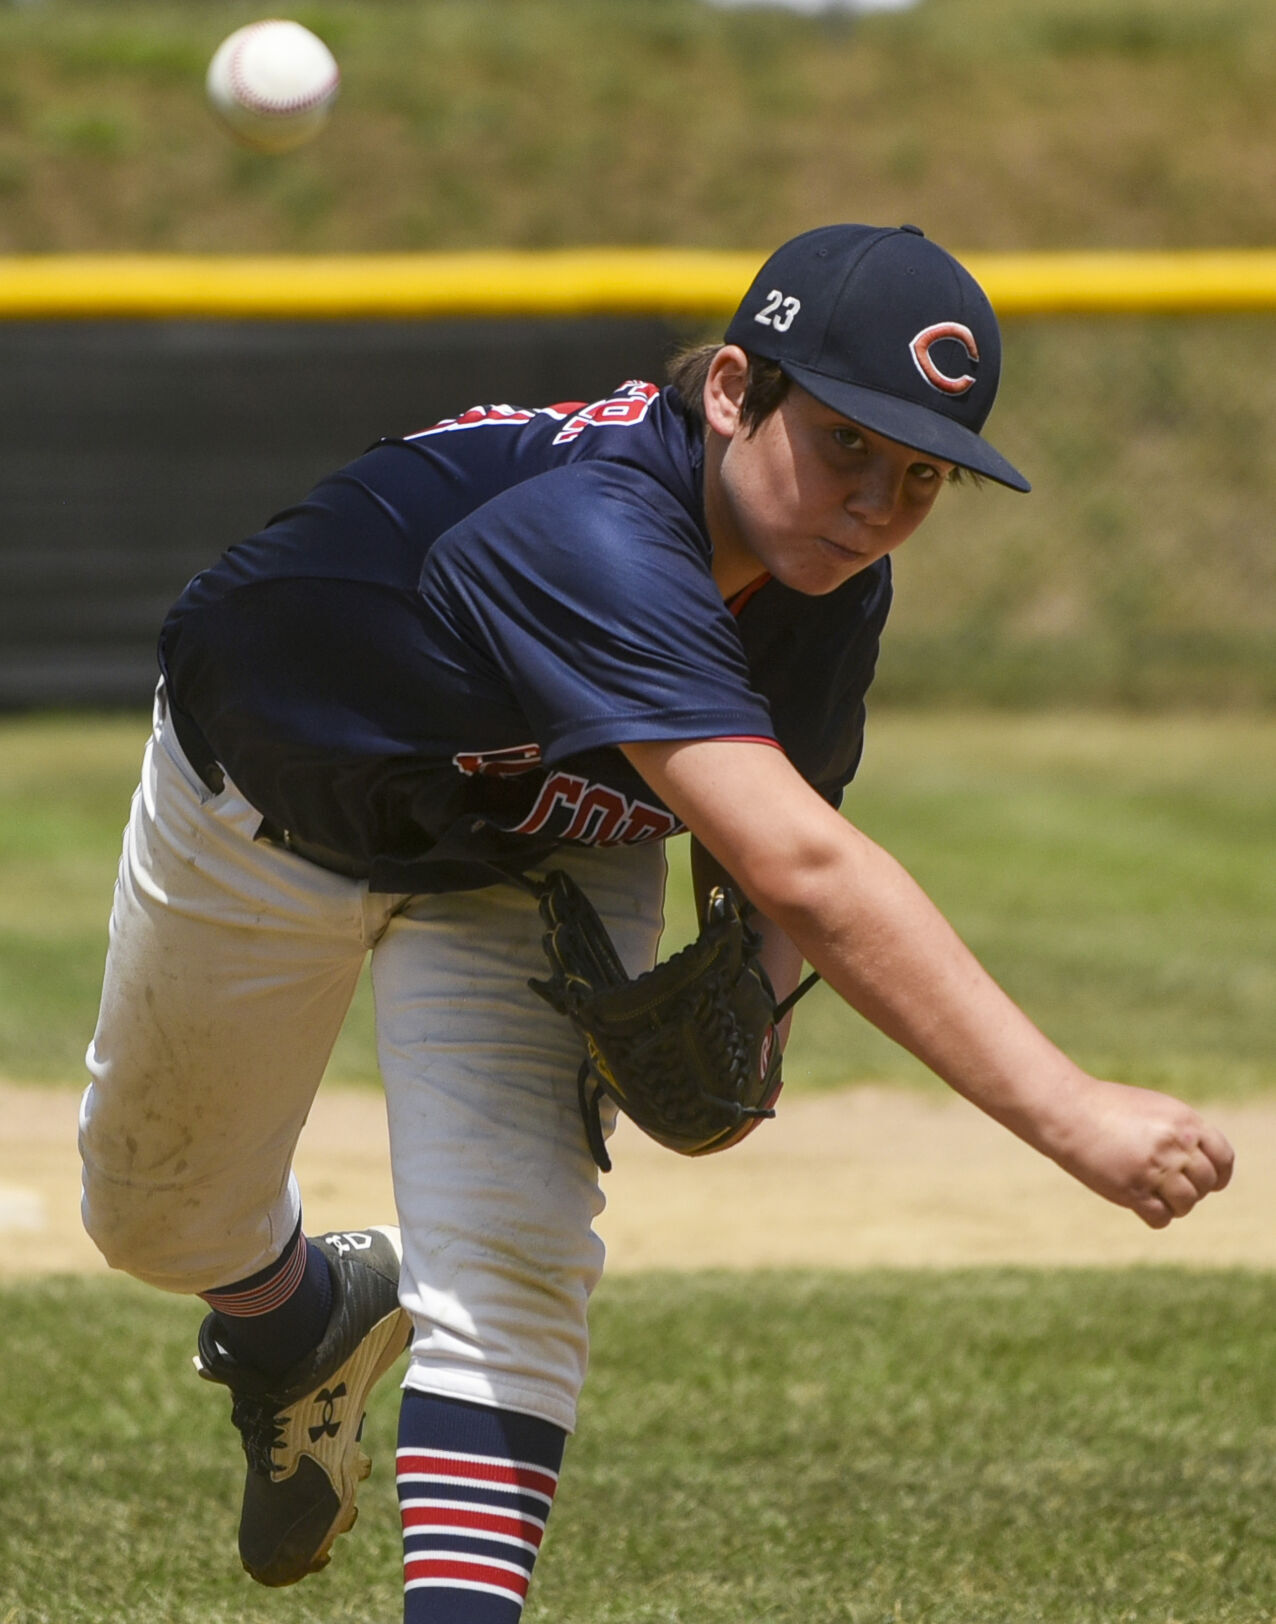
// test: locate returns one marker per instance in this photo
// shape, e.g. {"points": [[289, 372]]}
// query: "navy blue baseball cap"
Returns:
{"points": [[885, 327]]}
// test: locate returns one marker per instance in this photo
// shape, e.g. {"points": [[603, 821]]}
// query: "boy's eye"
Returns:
{"points": [[924, 471], [852, 439]]}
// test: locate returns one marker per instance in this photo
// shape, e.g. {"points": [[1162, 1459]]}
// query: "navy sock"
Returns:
{"points": [[276, 1316], [475, 1488]]}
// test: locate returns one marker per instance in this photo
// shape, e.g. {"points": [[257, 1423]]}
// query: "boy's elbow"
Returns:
{"points": [[795, 881]]}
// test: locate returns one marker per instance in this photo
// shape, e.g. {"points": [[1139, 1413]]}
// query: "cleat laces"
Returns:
{"points": [[261, 1427]]}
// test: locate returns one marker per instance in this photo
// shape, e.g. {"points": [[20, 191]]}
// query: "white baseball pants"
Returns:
{"points": [[230, 968]]}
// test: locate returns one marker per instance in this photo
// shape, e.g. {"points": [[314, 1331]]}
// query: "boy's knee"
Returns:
{"points": [[165, 1239], [134, 1240]]}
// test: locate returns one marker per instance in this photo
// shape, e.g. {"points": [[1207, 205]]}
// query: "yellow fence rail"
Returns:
{"points": [[581, 282]]}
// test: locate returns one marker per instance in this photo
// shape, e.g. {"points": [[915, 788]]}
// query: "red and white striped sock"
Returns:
{"points": [[276, 1316], [475, 1488]]}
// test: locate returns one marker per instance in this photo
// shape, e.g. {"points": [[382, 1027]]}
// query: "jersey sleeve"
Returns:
{"points": [[588, 592]]}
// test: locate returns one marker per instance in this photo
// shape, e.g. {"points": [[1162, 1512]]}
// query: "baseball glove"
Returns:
{"points": [[687, 1050]]}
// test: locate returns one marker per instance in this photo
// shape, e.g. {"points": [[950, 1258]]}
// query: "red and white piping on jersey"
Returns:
{"points": [[745, 738], [739, 599]]}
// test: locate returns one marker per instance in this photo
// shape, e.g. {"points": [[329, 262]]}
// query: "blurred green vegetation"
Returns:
{"points": [[525, 123], [1115, 873], [1141, 570], [64, 800]]}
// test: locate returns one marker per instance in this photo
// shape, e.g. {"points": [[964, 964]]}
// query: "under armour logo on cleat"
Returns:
{"points": [[349, 1240], [328, 1427]]}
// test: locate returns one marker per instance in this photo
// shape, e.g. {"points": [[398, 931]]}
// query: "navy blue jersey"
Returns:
{"points": [[426, 666]]}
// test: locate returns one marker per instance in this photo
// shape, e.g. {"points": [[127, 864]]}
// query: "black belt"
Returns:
{"points": [[336, 862], [198, 752], [195, 747]]}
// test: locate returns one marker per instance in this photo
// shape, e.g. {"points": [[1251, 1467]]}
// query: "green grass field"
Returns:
{"points": [[985, 1447], [1115, 872]]}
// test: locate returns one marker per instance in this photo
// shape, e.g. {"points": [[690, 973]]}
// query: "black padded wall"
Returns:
{"points": [[132, 453]]}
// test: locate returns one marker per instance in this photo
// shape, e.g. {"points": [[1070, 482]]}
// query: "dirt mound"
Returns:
{"points": [[867, 1176]]}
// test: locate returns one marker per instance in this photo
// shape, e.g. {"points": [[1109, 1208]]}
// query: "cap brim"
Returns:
{"points": [[909, 423]]}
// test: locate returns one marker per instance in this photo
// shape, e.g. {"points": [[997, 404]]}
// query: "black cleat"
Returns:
{"points": [[301, 1429]]}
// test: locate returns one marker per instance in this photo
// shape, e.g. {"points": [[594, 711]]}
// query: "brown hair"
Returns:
{"points": [[764, 389], [765, 386]]}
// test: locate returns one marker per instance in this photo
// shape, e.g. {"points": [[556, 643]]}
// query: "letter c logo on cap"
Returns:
{"points": [[920, 351]]}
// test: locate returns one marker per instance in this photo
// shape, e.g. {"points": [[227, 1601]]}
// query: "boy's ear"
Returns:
{"points": [[724, 389]]}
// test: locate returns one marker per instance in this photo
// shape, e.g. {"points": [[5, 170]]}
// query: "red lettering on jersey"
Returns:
{"points": [[558, 787], [516, 758], [647, 823], [605, 808], [619, 821], [484, 416], [629, 405]]}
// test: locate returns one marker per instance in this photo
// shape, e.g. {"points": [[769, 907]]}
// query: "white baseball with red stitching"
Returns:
{"points": [[273, 84]]}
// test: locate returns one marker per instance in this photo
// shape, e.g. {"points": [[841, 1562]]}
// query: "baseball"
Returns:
{"points": [[273, 84]]}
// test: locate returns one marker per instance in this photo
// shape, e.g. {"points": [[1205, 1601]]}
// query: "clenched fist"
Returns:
{"points": [[1143, 1150]]}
